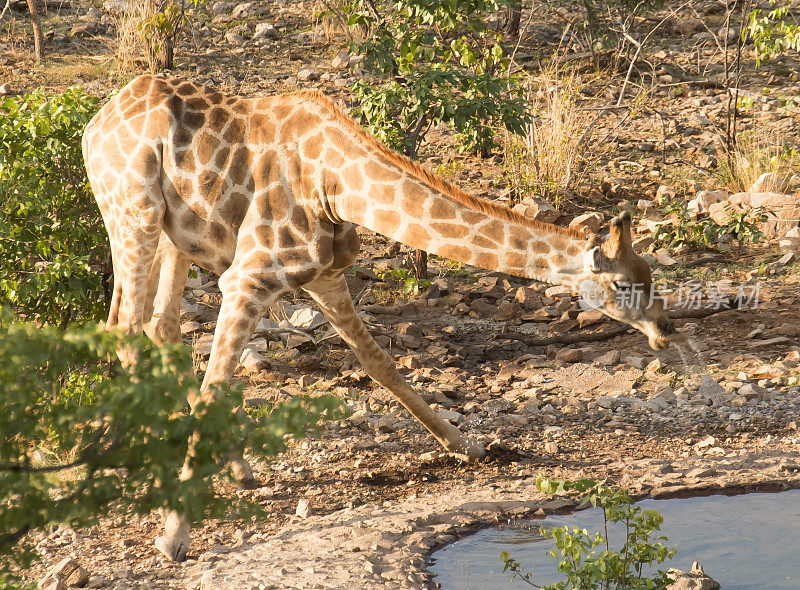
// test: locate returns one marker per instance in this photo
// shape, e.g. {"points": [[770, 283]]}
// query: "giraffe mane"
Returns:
{"points": [[430, 179]]}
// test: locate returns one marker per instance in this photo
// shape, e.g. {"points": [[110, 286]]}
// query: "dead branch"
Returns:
{"points": [[613, 331]]}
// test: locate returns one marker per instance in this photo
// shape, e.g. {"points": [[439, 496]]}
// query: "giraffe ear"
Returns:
{"points": [[619, 239], [595, 259]]}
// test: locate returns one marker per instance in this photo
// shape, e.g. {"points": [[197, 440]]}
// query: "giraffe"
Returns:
{"points": [[267, 192]]}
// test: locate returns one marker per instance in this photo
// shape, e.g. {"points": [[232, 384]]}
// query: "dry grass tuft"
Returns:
{"points": [[553, 154], [756, 152]]}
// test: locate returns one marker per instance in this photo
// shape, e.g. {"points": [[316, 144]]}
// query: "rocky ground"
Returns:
{"points": [[548, 387]]}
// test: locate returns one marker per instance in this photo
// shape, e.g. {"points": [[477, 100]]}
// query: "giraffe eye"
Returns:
{"points": [[621, 286]]}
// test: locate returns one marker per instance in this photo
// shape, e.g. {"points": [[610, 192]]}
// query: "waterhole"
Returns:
{"points": [[746, 542]]}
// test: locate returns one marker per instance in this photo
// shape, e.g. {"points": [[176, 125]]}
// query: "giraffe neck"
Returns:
{"points": [[402, 201]]}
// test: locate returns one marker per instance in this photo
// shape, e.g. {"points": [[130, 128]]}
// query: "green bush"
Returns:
{"points": [[52, 241], [79, 436], [435, 62], [588, 560]]}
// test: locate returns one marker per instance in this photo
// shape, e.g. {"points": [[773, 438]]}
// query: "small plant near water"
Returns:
{"points": [[587, 559], [409, 285]]}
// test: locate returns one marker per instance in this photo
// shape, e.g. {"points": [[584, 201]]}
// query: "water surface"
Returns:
{"points": [[747, 542]]}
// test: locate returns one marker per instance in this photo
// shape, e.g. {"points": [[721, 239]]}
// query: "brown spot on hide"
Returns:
{"points": [[206, 146], [234, 209], [262, 130], [298, 279], [459, 253], [493, 230], [486, 260], [235, 131], [383, 194], [540, 246], [137, 108], [442, 209], [450, 230], [481, 242], [265, 236], [516, 260], [472, 217], [298, 124], [186, 89], [285, 238], [346, 245], [218, 233], [387, 219], [194, 120], [217, 118], [417, 236], [334, 158], [312, 147], [209, 184], [197, 103], [352, 177], [379, 173], [300, 220]]}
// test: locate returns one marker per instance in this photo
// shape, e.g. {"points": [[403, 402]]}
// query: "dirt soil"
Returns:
{"points": [[718, 413]]}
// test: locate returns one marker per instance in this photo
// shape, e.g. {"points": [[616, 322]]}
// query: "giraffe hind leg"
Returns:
{"points": [[331, 294], [165, 286]]}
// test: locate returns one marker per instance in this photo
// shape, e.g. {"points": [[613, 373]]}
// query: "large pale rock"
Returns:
{"points": [[266, 31], [341, 61], [704, 199], [66, 573], [770, 182], [589, 222], [696, 579], [537, 209]]}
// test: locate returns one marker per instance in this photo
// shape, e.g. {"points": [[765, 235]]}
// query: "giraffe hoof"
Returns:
{"points": [[175, 548], [471, 450]]}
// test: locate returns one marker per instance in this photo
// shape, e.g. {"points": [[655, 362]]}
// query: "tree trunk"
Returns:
{"points": [[513, 17], [159, 47], [38, 40], [419, 263]]}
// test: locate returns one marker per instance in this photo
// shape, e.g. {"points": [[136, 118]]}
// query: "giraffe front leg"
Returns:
{"points": [[245, 297], [331, 293]]}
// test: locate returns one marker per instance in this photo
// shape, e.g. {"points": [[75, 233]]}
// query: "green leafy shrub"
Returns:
{"points": [[697, 233], [435, 62], [79, 436], [775, 31], [52, 241], [588, 560]]}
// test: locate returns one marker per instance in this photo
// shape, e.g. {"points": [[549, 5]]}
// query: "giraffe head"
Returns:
{"points": [[619, 284]]}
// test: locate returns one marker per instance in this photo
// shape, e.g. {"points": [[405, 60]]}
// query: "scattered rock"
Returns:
{"points": [[303, 509], [609, 359], [5, 89], [451, 416], [569, 355], [252, 361], [307, 75], [710, 388], [664, 259], [266, 31]]}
